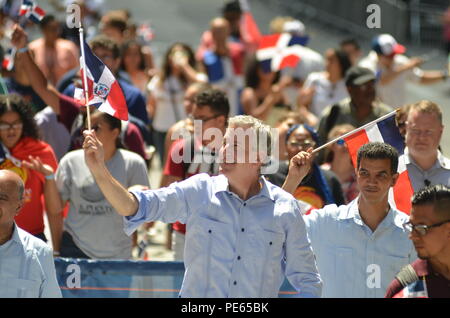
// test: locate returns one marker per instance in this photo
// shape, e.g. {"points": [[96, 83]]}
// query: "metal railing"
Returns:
{"points": [[418, 22]]}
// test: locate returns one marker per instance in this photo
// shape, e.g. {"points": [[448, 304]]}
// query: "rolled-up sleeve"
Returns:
{"points": [[168, 205], [301, 268]]}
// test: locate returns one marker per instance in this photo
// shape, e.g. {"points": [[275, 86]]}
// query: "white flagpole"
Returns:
{"points": [[355, 131], [83, 62]]}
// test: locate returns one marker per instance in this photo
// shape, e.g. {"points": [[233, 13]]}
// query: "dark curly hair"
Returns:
{"points": [[15, 103], [215, 99]]}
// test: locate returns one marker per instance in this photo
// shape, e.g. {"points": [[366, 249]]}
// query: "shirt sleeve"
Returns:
{"points": [[49, 287], [169, 204], [171, 167], [69, 110], [64, 179], [138, 173], [301, 268], [393, 289], [134, 140]]}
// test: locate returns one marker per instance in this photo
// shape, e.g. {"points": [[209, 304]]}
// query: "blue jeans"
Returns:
{"points": [[69, 249]]}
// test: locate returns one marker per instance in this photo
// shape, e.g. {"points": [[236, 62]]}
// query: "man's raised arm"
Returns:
{"points": [[38, 81]]}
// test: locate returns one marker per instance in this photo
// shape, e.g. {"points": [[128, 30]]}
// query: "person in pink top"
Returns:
{"points": [[53, 55]]}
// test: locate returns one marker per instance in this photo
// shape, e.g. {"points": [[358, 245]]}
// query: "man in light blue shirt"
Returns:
{"points": [[26, 263], [360, 247], [244, 235]]}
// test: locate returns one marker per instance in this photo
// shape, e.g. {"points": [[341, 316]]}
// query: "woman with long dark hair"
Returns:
{"points": [[20, 143], [133, 62], [262, 93]]}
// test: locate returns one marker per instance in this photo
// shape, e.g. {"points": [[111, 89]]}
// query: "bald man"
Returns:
{"points": [[222, 60], [27, 268]]}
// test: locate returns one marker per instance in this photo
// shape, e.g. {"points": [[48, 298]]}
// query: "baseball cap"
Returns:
{"points": [[294, 27], [358, 75], [385, 44]]}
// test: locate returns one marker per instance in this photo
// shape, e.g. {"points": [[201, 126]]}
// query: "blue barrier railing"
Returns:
{"points": [[125, 279]]}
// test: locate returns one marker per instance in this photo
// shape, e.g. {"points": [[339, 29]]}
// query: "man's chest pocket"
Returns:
{"points": [[19, 288]]}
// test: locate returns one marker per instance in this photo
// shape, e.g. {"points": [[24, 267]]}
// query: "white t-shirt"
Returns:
{"points": [[326, 93], [96, 228], [394, 93], [169, 107]]}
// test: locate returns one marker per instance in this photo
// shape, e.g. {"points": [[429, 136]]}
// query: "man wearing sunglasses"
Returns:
{"points": [[429, 228]]}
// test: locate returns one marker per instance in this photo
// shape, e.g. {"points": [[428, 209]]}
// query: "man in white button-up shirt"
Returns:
{"points": [[244, 235], [26, 263], [425, 163], [360, 247]]}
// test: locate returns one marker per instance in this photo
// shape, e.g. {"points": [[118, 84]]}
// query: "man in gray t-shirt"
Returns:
{"points": [[95, 227]]}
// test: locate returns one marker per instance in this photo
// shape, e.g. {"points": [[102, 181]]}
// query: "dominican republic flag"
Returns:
{"points": [[386, 131], [104, 91], [249, 29], [277, 51], [32, 11], [418, 289]]}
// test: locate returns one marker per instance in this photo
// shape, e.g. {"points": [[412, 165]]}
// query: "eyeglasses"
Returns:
{"points": [[204, 120], [7, 126], [304, 145], [421, 228], [418, 133]]}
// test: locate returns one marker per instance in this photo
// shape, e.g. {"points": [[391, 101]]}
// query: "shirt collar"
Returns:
{"points": [[222, 185], [353, 213], [441, 161]]}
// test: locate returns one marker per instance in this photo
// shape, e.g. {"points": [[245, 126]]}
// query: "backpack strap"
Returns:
{"points": [[407, 275]]}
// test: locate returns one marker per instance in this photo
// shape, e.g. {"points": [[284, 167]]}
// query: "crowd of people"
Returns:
{"points": [[316, 220]]}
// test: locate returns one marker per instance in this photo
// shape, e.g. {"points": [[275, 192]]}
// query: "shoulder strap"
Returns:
{"points": [[407, 275]]}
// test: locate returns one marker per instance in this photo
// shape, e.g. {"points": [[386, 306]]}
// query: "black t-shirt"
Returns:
{"points": [[309, 190]]}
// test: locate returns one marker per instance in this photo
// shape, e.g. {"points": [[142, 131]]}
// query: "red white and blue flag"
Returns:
{"points": [[104, 91], [418, 289], [386, 131], [277, 51], [249, 29], [32, 11]]}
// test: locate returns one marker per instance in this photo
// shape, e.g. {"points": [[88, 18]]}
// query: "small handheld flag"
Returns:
{"points": [[32, 11], [277, 51], [102, 90]]}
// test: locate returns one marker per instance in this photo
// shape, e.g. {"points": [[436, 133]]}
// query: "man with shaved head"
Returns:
{"points": [[26, 263], [223, 62]]}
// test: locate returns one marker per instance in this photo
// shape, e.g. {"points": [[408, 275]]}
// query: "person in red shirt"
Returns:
{"points": [[20, 143], [429, 227], [199, 155]]}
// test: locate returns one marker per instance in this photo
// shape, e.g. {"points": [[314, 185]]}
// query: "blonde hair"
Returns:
{"points": [[260, 129], [428, 107], [277, 23]]}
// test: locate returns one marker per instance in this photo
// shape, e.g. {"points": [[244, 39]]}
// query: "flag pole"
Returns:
{"points": [[355, 131], [85, 84]]}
